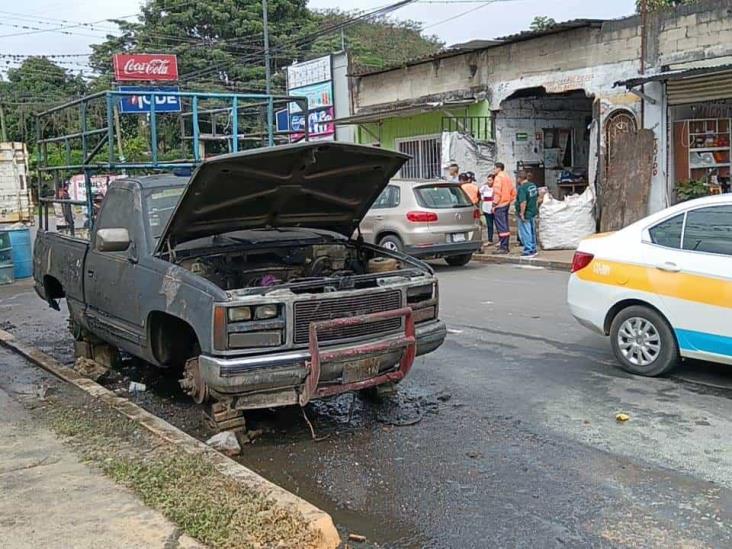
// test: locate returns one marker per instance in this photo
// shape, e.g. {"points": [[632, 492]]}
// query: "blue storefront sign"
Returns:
{"points": [[283, 120], [140, 104]]}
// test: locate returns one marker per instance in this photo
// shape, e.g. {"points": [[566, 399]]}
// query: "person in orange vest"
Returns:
{"points": [[504, 194], [469, 187]]}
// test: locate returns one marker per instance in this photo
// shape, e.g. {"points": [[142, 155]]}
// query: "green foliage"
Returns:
{"points": [[654, 5], [542, 22], [375, 44], [689, 190], [225, 35], [38, 82]]}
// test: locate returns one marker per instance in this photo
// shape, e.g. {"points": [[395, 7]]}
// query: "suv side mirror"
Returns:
{"points": [[112, 240]]}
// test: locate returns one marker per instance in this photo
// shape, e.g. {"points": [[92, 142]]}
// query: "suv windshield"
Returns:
{"points": [[441, 196], [160, 204]]}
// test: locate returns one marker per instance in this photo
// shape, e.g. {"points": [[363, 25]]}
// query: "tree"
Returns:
{"points": [[217, 41], [655, 5], [220, 42], [376, 43], [542, 22], [38, 83]]}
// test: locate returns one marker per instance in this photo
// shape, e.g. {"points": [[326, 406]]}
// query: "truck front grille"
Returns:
{"points": [[344, 307]]}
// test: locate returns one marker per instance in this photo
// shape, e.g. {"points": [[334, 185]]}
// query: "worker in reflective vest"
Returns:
{"points": [[504, 194]]}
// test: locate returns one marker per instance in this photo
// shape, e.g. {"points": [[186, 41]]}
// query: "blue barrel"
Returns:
{"points": [[21, 252], [7, 270]]}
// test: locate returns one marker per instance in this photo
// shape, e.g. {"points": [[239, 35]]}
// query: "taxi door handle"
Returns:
{"points": [[668, 267]]}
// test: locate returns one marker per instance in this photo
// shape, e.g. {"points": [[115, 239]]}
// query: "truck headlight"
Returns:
{"points": [[240, 314], [263, 312]]}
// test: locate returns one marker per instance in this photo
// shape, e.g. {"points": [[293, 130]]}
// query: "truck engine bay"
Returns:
{"points": [[321, 267]]}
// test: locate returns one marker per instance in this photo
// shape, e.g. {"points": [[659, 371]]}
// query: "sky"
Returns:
{"points": [[453, 21]]}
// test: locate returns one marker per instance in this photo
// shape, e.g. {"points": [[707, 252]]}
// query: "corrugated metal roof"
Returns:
{"points": [[418, 108], [557, 27], [475, 45], [673, 75]]}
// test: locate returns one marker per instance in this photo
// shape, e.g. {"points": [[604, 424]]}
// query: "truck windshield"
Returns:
{"points": [[160, 204]]}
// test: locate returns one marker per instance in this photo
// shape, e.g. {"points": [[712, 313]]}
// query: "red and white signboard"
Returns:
{"points": [[145, 67]]}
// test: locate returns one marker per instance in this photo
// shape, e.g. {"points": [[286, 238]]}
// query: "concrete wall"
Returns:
{"points": [[561, 61], [690, 34], [342, 95]]}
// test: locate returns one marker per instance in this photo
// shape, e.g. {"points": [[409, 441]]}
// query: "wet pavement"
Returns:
{"points": [[506, 436]]}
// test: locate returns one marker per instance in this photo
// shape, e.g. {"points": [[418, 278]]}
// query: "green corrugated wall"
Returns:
{"points": [[413, 126]]}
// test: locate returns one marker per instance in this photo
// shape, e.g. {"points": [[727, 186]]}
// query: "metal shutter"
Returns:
{"points": [[703, 88]]}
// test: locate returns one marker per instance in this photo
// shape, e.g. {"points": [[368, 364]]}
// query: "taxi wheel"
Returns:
{"points": [[643, 341]]}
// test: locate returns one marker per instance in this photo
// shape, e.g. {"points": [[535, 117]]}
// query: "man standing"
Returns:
{"points": [[453, 170], [469, 187], [504, 194], [486, 197], [526, 211]]}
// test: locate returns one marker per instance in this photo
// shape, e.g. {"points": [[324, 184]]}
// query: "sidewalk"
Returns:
{"points": [[560, 260], [51, 499]]}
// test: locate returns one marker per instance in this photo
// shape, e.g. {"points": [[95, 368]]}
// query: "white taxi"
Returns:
{"points": [[660, 288]]}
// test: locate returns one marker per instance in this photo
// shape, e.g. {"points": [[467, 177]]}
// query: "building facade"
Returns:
{"points": [[558, 101]]}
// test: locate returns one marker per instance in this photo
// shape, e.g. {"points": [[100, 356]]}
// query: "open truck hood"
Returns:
{"points": [[327, 186]]}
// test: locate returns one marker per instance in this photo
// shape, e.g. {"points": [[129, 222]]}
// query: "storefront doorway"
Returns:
{"points": [[548, 133]]}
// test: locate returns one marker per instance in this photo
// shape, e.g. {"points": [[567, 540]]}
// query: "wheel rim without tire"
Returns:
{"points": [[192, 383], [639, 341], [389, 245]]}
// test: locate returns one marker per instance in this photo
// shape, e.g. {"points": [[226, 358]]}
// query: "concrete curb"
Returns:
{"points": [[517, 260], [318, 520]]}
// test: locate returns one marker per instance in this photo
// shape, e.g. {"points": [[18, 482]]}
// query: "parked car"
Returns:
{"points": [[246, 274], [425, 220], [660, 288]]}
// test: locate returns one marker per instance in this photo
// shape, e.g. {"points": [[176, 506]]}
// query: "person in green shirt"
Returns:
{"points": [[527, 208]]}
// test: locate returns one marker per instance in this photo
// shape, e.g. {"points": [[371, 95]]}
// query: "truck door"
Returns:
{"points": [[112, 298]]}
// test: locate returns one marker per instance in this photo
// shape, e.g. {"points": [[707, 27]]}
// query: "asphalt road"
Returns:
{"points": [[504, 437]]}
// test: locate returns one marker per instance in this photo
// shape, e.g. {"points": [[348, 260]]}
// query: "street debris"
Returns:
{"points": [[89, 368], [357, 538], [225, 442], [136, 387], [621, 417]]}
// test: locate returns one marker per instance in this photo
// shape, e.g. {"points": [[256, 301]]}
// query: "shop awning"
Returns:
{"points": [[690, 85], [398, 112]]}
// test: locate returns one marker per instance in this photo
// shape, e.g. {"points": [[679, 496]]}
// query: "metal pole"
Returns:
{"points": [[270, 122], [153, 129], [235, 124], [267, 73]]}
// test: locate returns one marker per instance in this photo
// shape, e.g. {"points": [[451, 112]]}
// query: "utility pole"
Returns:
{"points": [[267, 69], [3, 133]]}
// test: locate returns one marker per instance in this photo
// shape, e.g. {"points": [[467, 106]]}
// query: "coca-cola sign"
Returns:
{"points": [[145, 67]]}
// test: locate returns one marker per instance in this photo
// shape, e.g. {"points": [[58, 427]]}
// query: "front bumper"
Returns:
{"points": [[279, 379], [444, 250]]}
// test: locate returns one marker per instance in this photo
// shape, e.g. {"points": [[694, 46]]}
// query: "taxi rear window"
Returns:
{"points": [[668, 233]]}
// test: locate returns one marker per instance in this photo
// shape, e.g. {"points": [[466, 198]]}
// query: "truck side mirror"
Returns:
{"points": [[112, 240]]}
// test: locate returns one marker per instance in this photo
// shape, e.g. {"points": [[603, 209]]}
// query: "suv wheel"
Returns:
{"points": [[643, 342], [392, 243], [458, 260]]}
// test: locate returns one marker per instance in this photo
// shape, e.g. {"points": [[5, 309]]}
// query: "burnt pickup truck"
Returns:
{"points": [[250, 277]]}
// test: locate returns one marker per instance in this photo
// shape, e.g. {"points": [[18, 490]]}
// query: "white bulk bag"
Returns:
{"points": [[564, 223]]}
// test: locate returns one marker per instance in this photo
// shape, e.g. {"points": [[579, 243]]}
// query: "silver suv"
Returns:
{"points": [[426, 220]]}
